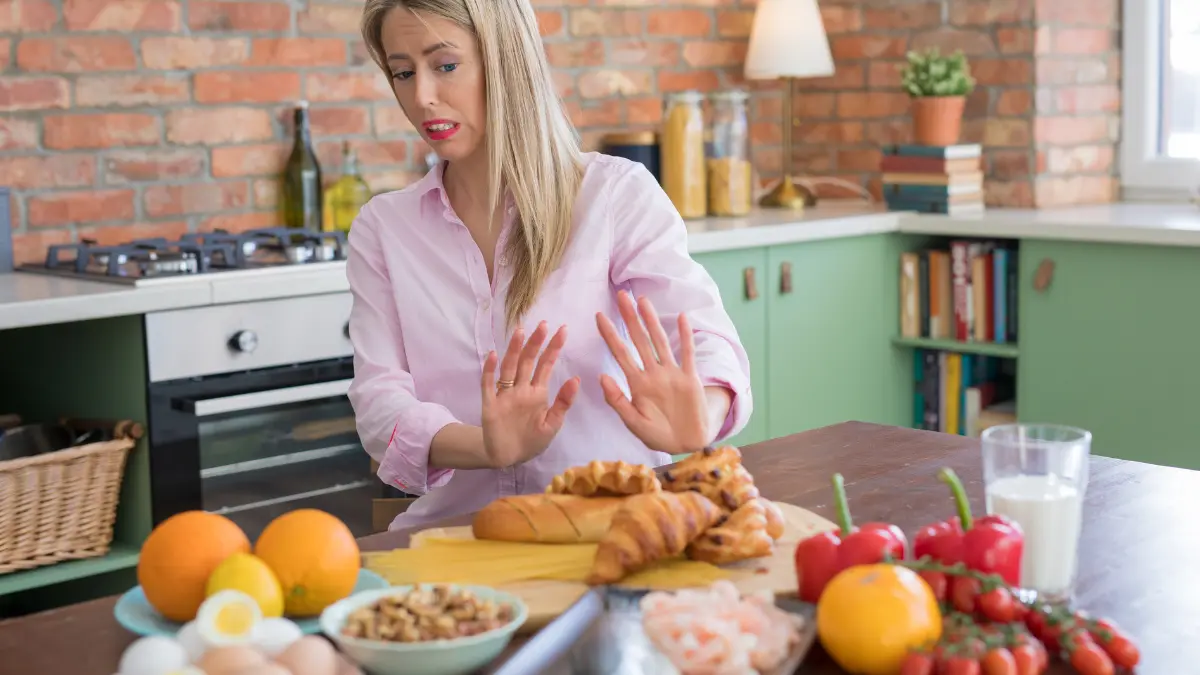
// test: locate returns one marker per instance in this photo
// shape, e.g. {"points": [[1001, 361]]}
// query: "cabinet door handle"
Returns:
{"points": [[785, 277], [1044, 275], [751, 283]]}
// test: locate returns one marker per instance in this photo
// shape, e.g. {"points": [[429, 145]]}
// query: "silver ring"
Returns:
{"points": [[504, 384]]}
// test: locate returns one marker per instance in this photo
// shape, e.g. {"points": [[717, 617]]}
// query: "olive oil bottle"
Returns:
{"points": [[348, 195], [301, 197]]}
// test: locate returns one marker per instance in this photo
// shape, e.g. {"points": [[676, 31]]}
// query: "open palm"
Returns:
{"points": [[518, 420], [666, 407]]}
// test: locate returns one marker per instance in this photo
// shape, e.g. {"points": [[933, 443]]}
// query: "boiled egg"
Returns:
{"points": [[153, 655], [228, 618], [275, 634]]}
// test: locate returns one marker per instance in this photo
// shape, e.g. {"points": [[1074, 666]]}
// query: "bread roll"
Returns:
{"points": [[546, 519], [605, 479]]}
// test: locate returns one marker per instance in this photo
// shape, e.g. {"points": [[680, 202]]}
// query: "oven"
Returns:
{"points": [[248, 414]]}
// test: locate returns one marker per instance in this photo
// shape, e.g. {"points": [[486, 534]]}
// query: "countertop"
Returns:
{"points": [[1129, 572], [30, 299]]}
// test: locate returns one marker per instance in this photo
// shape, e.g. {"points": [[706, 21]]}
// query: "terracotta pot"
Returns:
{"points": [[937, 120]]}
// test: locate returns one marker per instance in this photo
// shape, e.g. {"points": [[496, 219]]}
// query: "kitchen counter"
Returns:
{"points": [[1128, 572], [29, 299]]}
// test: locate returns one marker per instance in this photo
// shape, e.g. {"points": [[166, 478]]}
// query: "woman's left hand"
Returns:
{"points": [[667, 408]]}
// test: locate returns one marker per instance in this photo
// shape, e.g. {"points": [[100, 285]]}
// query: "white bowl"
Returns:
{"points": [[455, 656]]}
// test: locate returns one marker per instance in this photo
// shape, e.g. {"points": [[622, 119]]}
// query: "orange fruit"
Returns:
{"points": [[179, 556], [314, 556], [870, 616]]}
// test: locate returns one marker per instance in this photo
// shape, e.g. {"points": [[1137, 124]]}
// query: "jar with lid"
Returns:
{"points": [[682, 153], [730, 184]]}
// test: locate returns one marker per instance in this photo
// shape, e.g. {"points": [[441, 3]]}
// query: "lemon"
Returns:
{"points": [[247, 573]]}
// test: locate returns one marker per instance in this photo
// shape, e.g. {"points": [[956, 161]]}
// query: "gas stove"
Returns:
{"points": [[144, 261]]}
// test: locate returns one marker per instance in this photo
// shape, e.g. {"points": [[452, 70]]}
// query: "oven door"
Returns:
{"points": [[254, 445]]}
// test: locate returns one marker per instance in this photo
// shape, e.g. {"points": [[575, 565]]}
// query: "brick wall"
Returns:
{"points": [[154, 117]]}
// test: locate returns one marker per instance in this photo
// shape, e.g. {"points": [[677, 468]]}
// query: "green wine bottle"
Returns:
{"points": [[301, 196]]}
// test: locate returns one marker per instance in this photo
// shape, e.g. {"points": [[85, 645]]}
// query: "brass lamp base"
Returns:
{"points": [[788, 195]]}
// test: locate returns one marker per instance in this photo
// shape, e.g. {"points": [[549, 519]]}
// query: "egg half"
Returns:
{"points": [[228, 618]]}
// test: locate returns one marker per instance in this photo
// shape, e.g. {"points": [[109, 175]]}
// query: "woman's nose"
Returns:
{"points": [[426, 89]]}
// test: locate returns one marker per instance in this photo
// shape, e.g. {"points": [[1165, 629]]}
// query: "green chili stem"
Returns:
{"points": [[948, 477], [842, 506]]}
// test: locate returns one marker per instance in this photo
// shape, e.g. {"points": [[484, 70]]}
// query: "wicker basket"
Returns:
{"points": [[62, 505]]}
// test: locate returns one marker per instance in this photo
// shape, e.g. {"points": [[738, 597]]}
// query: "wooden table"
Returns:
{"points": [[1138, 557]]}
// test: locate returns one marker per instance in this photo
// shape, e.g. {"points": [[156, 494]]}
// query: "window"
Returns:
{"points": [[1160, 154]]}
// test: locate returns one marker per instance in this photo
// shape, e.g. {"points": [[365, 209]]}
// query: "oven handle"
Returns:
{"points": [[265, 399]]}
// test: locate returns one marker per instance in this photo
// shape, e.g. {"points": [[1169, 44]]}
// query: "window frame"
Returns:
{"points": [[1145, 174]]}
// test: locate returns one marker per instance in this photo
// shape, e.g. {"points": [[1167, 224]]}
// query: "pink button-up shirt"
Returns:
{"points": [[425, 316]]}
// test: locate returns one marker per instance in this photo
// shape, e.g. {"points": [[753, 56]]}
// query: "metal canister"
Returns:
{"points": [[638, 146]]}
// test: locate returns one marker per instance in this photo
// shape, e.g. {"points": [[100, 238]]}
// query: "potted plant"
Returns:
{"points": [[938, 86]]}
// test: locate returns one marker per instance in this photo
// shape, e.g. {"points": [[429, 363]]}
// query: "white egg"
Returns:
{"points": [[228, 618], [276, 634], [193, 644], [153, 655]]}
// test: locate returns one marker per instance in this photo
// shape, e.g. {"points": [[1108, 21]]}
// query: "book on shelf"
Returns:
{"points": [[965, 292], [961, 393], [933, 179]]}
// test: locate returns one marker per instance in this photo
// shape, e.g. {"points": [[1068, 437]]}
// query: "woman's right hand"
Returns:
{"points": [[518, 419]]}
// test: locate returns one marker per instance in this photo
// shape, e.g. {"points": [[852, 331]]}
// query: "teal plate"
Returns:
{"points": [[136, 615]]}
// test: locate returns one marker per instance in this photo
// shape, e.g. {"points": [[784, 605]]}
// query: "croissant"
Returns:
{"points": [[697, 466], [605, 479], [729, 488], [744, 534], [774, 518], [650, 527]]}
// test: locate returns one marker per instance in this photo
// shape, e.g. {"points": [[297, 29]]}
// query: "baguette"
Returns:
{"points": [[546, 519]]}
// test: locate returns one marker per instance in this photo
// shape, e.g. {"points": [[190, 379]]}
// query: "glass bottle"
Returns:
{"points": [[730, 184], [301, 197], [346, 197], [682, 153]]}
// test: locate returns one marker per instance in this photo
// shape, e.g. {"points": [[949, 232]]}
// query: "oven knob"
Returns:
{"points": [[244, 341]]}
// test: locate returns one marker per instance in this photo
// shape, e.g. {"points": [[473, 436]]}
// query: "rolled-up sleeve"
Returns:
{"points": [[395, 427], [650, 257]]}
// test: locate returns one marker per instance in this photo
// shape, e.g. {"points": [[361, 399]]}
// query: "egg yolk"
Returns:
{"points": [[234, 619]]}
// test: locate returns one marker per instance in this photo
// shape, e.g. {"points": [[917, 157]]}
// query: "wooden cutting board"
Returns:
{"points": [[547, 599]]}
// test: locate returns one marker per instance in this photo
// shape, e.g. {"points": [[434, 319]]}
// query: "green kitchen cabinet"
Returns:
{"points": [[831, 307], [1109, 345], [739, 275]]}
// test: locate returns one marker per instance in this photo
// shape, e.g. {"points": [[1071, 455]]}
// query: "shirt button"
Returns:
{"points": [[487, 305]]}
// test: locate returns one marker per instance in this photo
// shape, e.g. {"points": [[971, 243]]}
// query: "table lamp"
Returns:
{"points": [[787, 40]]}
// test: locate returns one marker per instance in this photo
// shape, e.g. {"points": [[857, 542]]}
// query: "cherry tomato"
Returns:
{"points": [[963, 593], [998, 605], [998, 661], [1035, 621], [1123, 652], [917, 663], [1089, 659], [937, 583], [958, 665], [1025, 660]]}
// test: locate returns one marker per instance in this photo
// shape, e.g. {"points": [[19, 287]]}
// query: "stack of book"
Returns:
{"points": [[967, 292], [933, 179], [962, 393]]}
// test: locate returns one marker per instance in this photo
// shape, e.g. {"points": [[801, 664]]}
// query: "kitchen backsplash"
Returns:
{"points": [[123, 118]]}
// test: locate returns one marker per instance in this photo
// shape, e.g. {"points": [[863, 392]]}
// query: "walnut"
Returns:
{"points": [[431, 613]]}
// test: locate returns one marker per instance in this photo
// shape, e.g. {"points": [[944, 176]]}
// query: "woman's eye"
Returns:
{"points": [[402, 75], [449, 67]]}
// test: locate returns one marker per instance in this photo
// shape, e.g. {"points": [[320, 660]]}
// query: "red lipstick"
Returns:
{"points": [[440, 130]]}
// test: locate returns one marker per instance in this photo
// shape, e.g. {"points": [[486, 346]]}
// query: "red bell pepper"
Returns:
{"points": [[991, 544], [820, 557]]}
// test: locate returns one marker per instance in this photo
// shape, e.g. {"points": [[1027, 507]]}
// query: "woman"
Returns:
{"points": [[516, 235]]}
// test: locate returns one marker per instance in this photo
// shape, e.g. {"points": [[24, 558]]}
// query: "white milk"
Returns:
{"points": [[1050, 512]]}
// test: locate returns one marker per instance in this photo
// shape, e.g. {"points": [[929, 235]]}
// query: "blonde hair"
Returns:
{"points": [[533, 152]]}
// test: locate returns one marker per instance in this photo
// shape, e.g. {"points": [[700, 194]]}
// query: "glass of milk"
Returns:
{"points": [[1036, 474]]}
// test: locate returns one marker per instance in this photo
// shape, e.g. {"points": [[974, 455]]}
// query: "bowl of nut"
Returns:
{"points": [[428, 629]]}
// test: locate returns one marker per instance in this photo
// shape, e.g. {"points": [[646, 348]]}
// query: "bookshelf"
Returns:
{"points": [[1003, 351], [958, 319]]}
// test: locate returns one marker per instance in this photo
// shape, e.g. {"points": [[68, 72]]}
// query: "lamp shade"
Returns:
{"points": [[788, 40]]}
